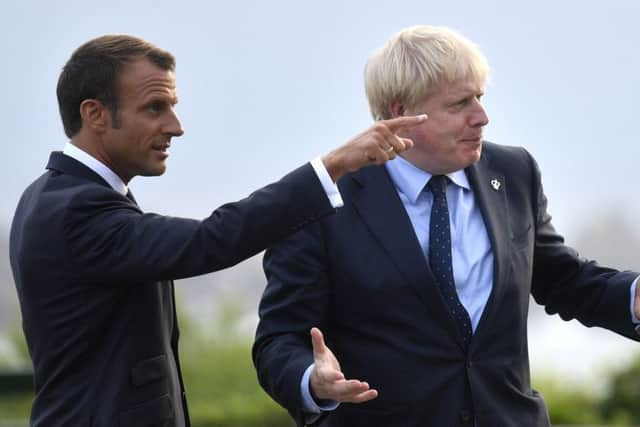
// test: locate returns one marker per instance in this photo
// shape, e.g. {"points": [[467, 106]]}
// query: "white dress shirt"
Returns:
{"points": [[97, 166]]}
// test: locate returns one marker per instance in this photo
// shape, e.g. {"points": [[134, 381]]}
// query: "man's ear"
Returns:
{"points": [[95, 115], [396, 109]]}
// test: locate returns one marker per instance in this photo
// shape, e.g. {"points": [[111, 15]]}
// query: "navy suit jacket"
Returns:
{"points": [[362, 278], [94, 278]]}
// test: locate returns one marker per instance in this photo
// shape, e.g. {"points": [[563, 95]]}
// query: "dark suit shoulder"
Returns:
{"points": [[57, 193], [355, 181], [517, 165], [507, 156]]}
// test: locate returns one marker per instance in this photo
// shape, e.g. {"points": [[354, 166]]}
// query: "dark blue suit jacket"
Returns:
{"points": [[94, 278], [361, 277]]}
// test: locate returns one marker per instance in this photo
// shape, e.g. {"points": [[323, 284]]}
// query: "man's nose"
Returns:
{"points": [[174, 127], [479, 117]]}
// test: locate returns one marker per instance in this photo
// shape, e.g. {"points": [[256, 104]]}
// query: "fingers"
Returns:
{"points": [[340, 389], [389, 128], [408, 144], [396, 145], [401, 122], [364, 397], [353, 391], [389, 143], [376, 145], [387, 148]]}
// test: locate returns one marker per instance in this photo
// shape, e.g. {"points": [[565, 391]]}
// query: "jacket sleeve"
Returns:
{"points": [[111, 240], [574, 287], [295, 300]]}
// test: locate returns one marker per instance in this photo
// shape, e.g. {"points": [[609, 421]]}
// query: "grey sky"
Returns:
{"points": [[265, 86]]}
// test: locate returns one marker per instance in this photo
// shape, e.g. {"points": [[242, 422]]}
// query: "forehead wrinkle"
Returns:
{"points": [[462, 89], [138, 82], [154, 84]]}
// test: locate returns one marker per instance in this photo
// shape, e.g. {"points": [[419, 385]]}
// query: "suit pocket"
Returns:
{"points": [[149, 370], [154, 413]]}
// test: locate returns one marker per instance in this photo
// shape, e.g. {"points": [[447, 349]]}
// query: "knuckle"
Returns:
{"points": [[375, 139], [380, 127]]}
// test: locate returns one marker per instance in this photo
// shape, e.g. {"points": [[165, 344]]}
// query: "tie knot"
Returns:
{"points": [[438, 185]]}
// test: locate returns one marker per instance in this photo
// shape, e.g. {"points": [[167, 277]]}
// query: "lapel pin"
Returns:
{"points": [[495, 184]]}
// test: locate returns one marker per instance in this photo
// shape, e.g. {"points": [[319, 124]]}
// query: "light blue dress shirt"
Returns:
{"points": [[471, 253]]}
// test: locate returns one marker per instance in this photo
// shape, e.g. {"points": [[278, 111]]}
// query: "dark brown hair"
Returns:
{"points": [[92, 73]]}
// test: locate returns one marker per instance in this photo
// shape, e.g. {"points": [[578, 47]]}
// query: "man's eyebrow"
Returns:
{"points": [[464, 94], [162, 97]]}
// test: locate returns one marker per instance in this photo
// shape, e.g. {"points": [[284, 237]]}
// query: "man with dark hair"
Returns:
{"points": [[94, 273], [91, 73]]}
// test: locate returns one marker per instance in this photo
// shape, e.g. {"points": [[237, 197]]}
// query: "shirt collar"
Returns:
{"points": [[411, 180], [97, 166]]}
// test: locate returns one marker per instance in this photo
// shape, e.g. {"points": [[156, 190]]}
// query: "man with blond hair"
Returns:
{"points": [[94, 273], [421, 282]]}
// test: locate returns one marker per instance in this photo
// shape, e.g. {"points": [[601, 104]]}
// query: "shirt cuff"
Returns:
{"points": [[634, 319], [329, 186], [309, 405]]}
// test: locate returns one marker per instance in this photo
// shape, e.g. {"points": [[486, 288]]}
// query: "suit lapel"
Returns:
{"points": [[382, 211], [489, 187]]}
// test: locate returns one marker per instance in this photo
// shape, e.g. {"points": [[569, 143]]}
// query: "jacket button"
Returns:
{"points": [[465, 416]]}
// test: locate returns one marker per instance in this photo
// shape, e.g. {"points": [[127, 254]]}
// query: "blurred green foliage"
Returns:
{"points": [[568, 404], [623, 401], [221, 386], [15, 406], [20, 359], [223, 390], [221, 383]]}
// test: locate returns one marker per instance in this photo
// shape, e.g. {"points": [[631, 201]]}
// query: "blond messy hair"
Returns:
{"points": [[415, 62]]}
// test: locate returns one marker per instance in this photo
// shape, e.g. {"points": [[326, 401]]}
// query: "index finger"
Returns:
{"points": [[404, 121]]}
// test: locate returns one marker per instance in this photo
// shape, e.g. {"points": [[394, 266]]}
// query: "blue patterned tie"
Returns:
{"points": [[440, 255]]}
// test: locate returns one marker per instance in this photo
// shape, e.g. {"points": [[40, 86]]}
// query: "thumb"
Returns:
{"points": [[317, 341]]}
